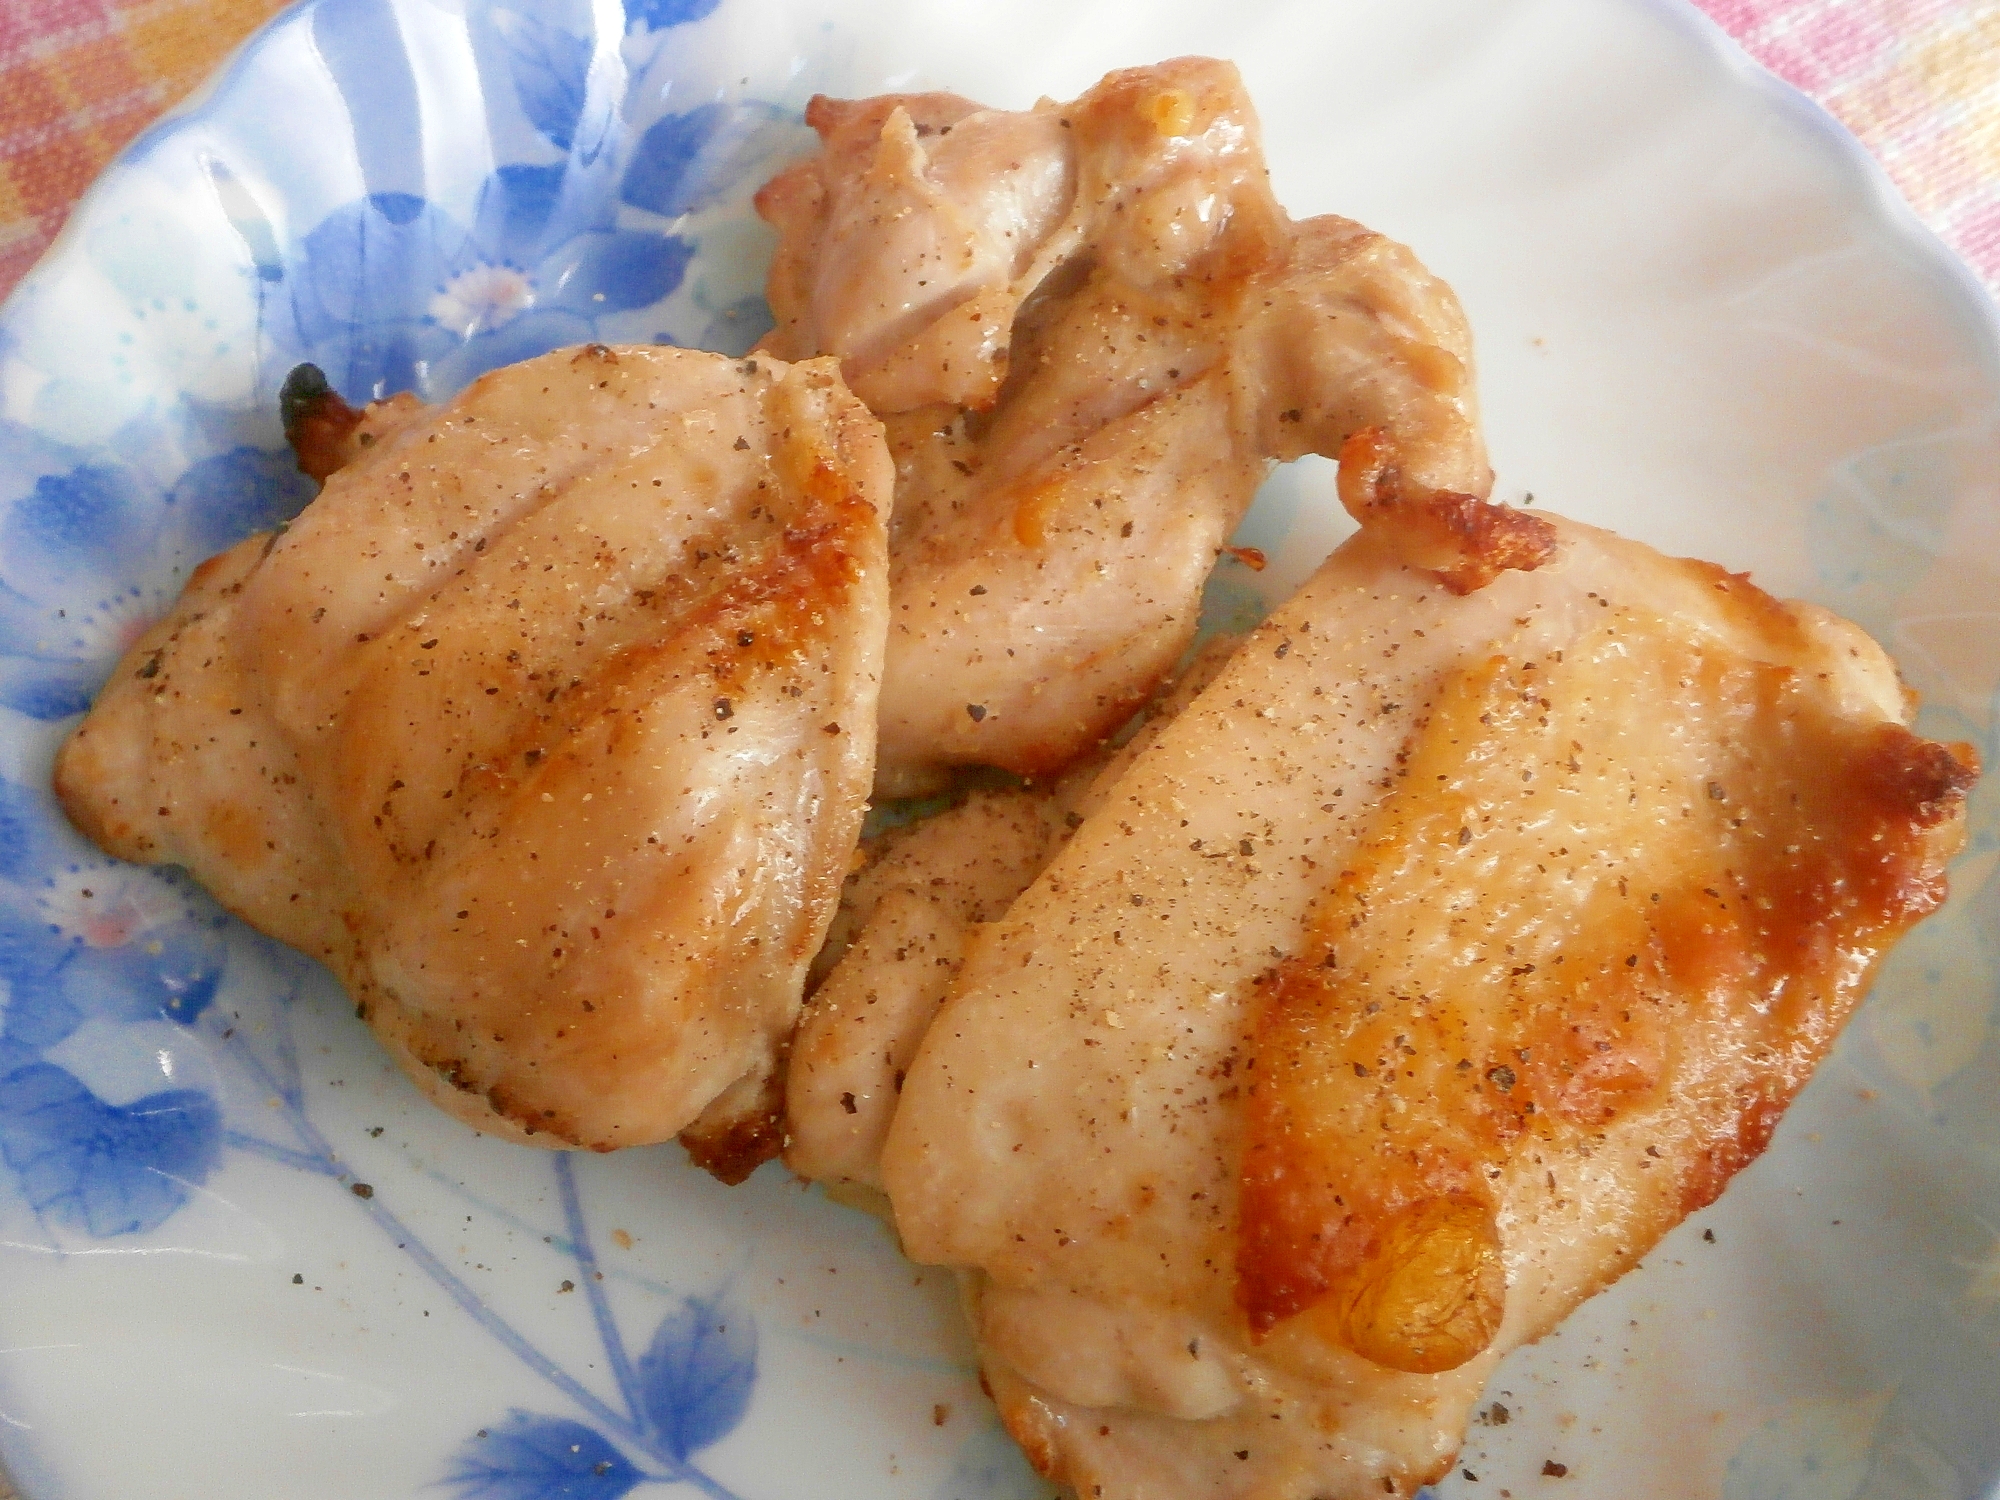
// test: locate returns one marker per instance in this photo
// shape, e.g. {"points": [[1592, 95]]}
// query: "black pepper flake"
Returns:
{"points": [[831, 728], [746, 637], [152, 667], [724, 709], [1708, 1235], [1498, 1415], [567, 1286], [601, 1467], [976, 710], [362, 1190], [1284, 649], [298, 1279], [1243, 1453], [1715, 792], [1470, 1477], [742, 445], [1555, 1470], [978, 588], [1502, 1077], [1464, 835], [847, 1103], [429, 645]]}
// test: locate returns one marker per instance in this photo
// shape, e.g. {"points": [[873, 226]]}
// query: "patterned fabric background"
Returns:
{"points": [[79, 79], [1917, 80]]}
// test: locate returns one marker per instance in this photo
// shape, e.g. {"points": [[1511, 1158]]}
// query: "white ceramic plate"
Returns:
{"points": [[1703, 319]]}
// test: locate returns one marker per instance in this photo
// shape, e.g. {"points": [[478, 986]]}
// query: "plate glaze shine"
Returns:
{"points": [[1699, 321]]}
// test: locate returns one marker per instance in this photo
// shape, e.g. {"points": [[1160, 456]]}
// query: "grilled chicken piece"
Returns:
{"points": [[548, 726], [1089, 328], [906, 920], [1442, 955]]}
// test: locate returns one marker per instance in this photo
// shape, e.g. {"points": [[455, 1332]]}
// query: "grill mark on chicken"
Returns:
{"points": [[1251, 1068], [547, 726], [1089, 328]]}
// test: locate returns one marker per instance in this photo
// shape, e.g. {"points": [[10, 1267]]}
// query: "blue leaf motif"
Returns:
{"points": [[90, 519], [696, 1379], [108, 1169], [618, 271], [666, 176], [551, 67], [516, 209], [658, 15], [225, 498], [528, 1457]]}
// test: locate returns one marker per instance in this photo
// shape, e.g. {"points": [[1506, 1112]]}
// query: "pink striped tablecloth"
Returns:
{"points": [[1918, 81]]}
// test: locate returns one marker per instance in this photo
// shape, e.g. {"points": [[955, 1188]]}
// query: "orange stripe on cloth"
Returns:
{"points": [[78, 80]]}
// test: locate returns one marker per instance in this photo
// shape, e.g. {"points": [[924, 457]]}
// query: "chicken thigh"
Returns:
{"points": [[906, 921], [1089, 329], [548, 726], [1446, 951]]}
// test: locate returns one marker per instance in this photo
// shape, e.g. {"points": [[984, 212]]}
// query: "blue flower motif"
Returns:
{"points": [[528, 1457], [118, 963], [94, 553], [391, 293], [96, 941]]}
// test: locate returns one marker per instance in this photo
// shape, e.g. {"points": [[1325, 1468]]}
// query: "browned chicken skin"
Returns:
{"points": [[548, 726], [1429, 966], [1089, 329]]}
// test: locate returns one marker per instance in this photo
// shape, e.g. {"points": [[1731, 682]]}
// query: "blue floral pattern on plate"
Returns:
{"points": [[409, 193]]}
